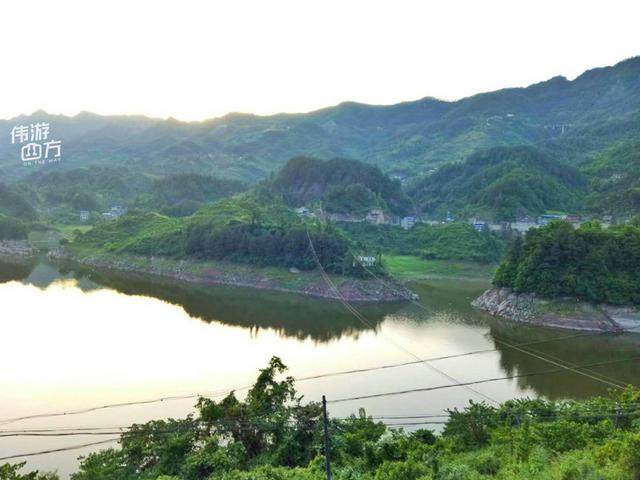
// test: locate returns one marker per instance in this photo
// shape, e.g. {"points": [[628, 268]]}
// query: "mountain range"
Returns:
{"points": [[575, 121]]}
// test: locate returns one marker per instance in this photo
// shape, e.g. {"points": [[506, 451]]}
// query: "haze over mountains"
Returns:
{"points": [[574, 121]]}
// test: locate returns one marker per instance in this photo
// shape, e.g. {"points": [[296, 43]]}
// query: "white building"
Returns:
{"points": [[366, 261], [408, 222]]}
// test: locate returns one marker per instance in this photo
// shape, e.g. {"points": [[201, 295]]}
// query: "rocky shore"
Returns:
{"points": [[16, 250], [311, 284], [565, 313]]}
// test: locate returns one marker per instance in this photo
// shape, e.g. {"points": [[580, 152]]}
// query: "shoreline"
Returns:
{"points": [[310, 284], [17, 251], [565, 313]]}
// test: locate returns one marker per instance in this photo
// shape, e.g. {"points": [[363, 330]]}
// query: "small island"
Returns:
{"points": [[575, 278]]}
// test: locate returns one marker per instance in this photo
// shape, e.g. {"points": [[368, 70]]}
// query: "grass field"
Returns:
{"points": [[407, 267]]}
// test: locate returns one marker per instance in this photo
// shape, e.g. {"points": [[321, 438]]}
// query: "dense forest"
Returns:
{"points": [[272, 435], [341, 185], [502, 183], [590, 263]]}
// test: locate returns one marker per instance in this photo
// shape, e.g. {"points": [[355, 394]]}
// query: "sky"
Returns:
{"points": [[193, 60]]}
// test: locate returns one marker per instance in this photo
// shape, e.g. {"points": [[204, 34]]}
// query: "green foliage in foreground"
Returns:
{"points": [[272, 435], [452, 241], [252, 229], [591, 263]]}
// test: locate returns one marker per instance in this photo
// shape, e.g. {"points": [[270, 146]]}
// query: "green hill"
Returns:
{"points": [[342, 185], [249, 228], [501, 183]]}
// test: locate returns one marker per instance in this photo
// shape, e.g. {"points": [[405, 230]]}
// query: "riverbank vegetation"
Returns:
{"points": [[272, 435], [590, 263]]}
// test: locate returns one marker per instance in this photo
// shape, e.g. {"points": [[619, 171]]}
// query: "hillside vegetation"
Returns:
{"points": [[615, 182], [501, 183], [252, 229], [590, 263]]}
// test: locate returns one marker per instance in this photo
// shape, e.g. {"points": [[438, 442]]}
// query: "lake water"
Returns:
{"points": [[76, 340]]}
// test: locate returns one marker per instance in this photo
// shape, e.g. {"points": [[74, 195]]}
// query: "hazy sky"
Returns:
{"points": [[194, 60]]}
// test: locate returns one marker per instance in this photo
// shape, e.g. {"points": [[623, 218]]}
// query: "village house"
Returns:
{"points": [[408, 222], [304, 212], [378, 217], [545, 218], [84, 215], [479, 225], [522, 225], [344, 217], [114, 212]]}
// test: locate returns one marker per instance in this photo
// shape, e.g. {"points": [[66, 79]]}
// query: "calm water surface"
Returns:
{"points": [[74, 340]]}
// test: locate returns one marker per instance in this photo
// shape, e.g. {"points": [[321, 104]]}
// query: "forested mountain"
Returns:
{"points": [[87, 188], [572, 119], [615, 179], [503, 183], [342, 185], [14, 202]]}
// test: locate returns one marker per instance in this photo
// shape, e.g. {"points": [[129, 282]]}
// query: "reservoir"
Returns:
{"points": [[105, 350]]}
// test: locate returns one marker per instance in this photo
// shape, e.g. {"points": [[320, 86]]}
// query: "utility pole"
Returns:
{"points": [[327, 461]]}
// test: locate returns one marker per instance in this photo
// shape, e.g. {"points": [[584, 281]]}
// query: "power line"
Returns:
{"points": [[362, 319], [56, 450], [606, 380], [216, 393], [477, 382], [553, 362]]}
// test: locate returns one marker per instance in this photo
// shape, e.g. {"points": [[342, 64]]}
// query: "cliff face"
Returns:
{"points": [[565, 313]]}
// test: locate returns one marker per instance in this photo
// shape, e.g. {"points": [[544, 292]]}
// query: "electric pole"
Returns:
{"points": [[327, 461]]}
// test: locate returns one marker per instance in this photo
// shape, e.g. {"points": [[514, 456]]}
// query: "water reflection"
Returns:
{"points": [[18, 271], [288, 315], [570, 349]]}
